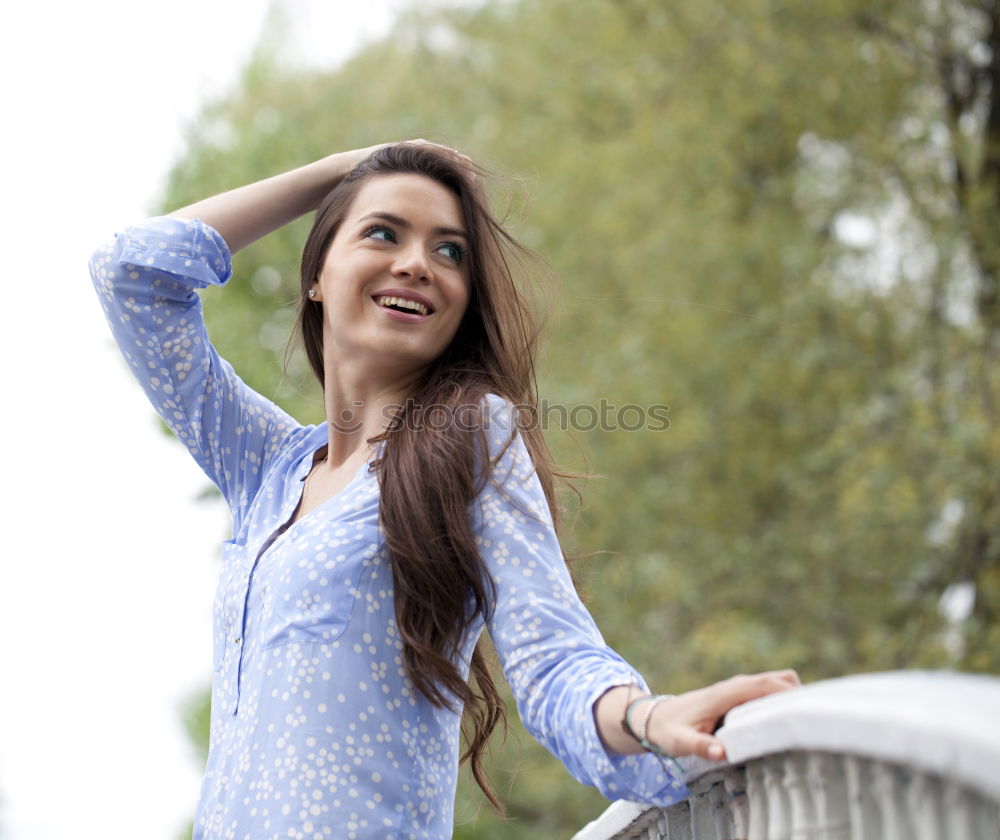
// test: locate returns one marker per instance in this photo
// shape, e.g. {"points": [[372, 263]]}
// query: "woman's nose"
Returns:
{"points": [[413, 263]]}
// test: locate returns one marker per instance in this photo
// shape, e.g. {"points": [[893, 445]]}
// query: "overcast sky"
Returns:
{"points": [[110, 566]]}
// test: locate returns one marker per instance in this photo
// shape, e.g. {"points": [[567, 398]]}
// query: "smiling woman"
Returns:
{"points": [[368, 556]]}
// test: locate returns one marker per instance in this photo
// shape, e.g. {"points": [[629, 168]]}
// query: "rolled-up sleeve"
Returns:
{"points": [[552, 653], [146, 279]]}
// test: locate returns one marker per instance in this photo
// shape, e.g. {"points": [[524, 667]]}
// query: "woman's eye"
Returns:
{"points": [[452, 250], [381, 232]]}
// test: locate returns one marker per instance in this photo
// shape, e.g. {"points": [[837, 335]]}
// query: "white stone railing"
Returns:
{"points": [[895, 756]]}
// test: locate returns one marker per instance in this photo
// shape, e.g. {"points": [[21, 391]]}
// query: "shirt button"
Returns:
{"points": [[237, 640]]}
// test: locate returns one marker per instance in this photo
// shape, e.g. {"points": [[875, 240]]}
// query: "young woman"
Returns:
{"points": [[369, 553]]}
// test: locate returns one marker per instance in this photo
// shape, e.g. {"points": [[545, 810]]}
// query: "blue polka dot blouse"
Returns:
{"points": [[316, 731]]}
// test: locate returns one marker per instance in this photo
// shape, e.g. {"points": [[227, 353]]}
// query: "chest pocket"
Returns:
{"points": [[227, 607], [305, 587]]}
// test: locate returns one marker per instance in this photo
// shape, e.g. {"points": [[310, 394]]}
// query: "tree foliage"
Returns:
{"points": [[778, 219]]}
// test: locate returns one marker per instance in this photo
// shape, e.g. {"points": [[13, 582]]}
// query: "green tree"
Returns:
{"points": [[773, 217]]}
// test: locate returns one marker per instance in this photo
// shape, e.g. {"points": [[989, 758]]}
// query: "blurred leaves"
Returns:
{"points": [[769, 216]]}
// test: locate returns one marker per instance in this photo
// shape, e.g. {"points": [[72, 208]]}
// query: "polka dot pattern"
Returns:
{"points": [[316, 731]]}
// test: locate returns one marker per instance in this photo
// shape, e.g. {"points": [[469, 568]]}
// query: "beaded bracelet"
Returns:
{"points": [[653, 700]]}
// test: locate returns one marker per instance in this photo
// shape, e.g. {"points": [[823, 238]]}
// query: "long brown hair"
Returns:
{"points": [[428, 470]]}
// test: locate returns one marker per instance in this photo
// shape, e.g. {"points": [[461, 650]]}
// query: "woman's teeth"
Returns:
{"points": [[402, 303]]}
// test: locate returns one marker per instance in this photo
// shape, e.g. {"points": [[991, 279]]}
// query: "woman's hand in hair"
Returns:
{"points": [[247, 213], [464, 158], [346, 161]]}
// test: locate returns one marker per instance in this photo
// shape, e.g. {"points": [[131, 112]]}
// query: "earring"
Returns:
{"points": [[312, 293]]}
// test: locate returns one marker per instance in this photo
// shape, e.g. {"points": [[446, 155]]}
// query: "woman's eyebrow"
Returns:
{"points": [[399, 221]]}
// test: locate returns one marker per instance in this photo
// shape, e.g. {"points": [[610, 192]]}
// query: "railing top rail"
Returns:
{"points": [[940, 722]]}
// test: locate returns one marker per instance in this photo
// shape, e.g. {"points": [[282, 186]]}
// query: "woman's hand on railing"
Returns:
{"points": [[685, 724], [681, 725]]}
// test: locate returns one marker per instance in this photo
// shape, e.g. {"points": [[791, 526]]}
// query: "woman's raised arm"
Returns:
{"points": [[246, 214]]}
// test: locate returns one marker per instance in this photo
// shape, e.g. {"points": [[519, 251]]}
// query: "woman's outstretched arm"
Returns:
{"points": [[572, 690], [246, 214]]}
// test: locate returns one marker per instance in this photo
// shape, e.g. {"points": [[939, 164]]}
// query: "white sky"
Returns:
{"points": [[107, 578]]}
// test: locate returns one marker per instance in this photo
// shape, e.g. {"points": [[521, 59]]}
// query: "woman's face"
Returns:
{"points": [[394, 284]]}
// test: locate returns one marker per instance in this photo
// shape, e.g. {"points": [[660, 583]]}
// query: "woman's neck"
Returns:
{"points": [[360, 405]]}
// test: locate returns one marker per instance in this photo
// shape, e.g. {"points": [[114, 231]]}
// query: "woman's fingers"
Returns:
{"points": [[686, 740], [692, 742], [451, 151], [746, 687]]}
